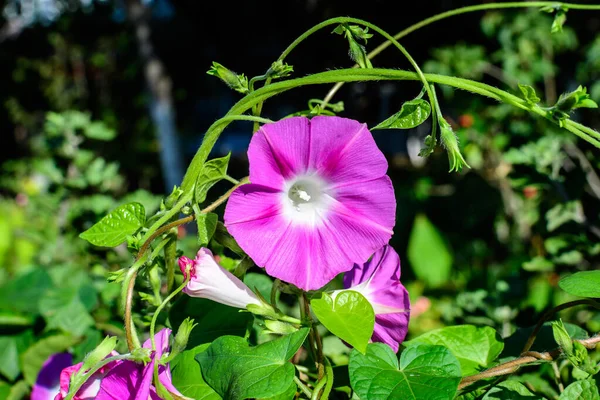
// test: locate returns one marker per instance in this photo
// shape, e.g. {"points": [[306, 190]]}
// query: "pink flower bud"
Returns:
{"points": [[211, 281]]}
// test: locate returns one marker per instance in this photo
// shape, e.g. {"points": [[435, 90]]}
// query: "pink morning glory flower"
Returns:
{"points": [[211, 281], [90, 388], [47, 384], [131, 380], [123, 379], [379, 281], [318, 202]]}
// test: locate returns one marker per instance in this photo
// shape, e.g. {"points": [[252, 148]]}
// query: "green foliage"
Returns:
{"points": [[428, 253], [348, 315], [424, 371], [237, 371], [213, 319], [510, 390], [187, 377], [412, 114], [113, 229], [581, 390], [582, 284], [474, 347], [212, 172]]}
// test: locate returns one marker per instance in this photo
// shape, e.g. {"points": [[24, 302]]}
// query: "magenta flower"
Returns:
{"points": [[90, 388], [379, 281], [211, 281], [123, 379], [47, 384], [319, 201], [131, 380]]}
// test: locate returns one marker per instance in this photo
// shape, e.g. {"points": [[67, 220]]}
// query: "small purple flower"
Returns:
{"points": [[47, 384], [209, 280], [131, 380], [319, 201], [379, 281]]}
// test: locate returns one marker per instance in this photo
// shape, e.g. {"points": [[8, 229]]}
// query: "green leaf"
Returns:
{"points": [[559, 21], [213, 319], [112, 229], [11, 319], [348, 316], [212, 172], [510, 390], [207, 224], [428, 253], [425, 372], [563, 213], [430, 143], [412, 114], [513, 345], [581, 390], [10, 349], [18, 391], [24, 292], [289, 394], [539, 264], [35, 356], [475, 347], [582, 284], [99, 131], [529, 94], [237, 371], [187, 377], [72, 318]]}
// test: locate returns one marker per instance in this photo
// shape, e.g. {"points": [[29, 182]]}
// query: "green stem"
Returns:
{"points": [[318, 387], [356, 75], [342, 20], [459, 11], [133, 342], [329, 385], [261, 120], [159, 309], [303, 387], [81, 380]]}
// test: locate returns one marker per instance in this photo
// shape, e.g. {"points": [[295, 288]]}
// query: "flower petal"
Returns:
{"points": [[343, 151], [279, 151], [47, 385], [378, 281], [391, 329], [125, 380], [211, 281], [253, 217], [372, 200]]}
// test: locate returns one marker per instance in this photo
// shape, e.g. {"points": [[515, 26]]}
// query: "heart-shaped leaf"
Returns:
{"points": [[425, 372], [112, 229], [187, 377], [349, 316], [581, 390], [413, 113], [583, 284], [237, 371], [474, 347]]}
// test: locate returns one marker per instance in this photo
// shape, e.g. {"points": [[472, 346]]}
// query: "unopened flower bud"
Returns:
{"points": [[233, 80], [279, 70], [183, 334], [209, 280], [450, 142]]}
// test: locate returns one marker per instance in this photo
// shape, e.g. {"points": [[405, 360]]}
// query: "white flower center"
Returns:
{"points": [[305, 199]]}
